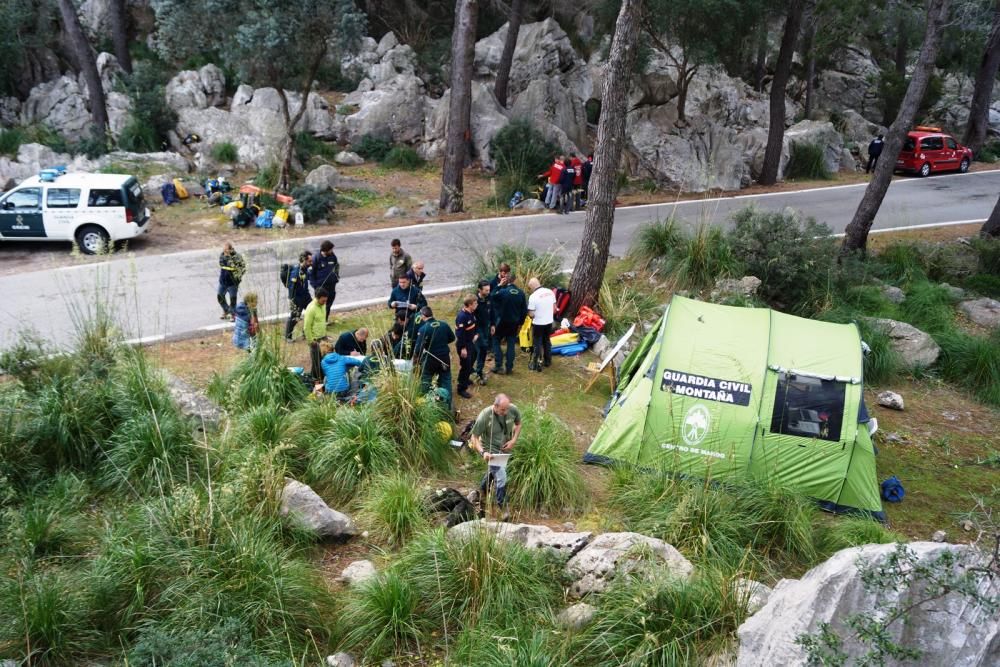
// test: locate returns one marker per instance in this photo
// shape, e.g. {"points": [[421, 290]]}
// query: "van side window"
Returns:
{"points": [[62, 197], [931, 143], [951, 143], [808, 407], [26, 198], [105, 198]]}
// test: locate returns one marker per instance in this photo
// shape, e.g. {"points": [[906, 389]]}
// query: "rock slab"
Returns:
{"points": [[916, 348], [614, 554], [562, 544], [984, 312], [891, 400], [192, 403], [357, 572], [304, 506]]}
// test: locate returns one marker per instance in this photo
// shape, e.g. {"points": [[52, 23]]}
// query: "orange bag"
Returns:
{"points": [[588, 318]]}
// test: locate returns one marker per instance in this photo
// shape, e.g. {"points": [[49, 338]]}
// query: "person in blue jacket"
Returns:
{"points": [[298, 293], [510, 307], [335, 368], [325, 273], [432, 352]]}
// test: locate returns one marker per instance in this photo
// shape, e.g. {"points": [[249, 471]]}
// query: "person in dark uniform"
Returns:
{"points": [[484, 328], [466, 336], [587, 169], [298, 293], [874, 150], [407, 300], [566, 179], [417, 275], [432, 352], [326, 273], [352, 341], [510, 307], [500, 279], [232, 266]]}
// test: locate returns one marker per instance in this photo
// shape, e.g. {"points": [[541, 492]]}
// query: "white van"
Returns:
{"points": [[91, 209]]}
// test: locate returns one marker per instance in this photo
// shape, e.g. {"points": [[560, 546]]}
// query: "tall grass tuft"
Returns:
{"points": [[849, 531], [351, 449], [807, 162], [623, 306], [395, 508], [543, 474], [972, 362], [410, 419], [225, 152], [704, 257], [657, 241], [385, 617], [928, 307], [262, 378], [526, 263], [883, 363]]}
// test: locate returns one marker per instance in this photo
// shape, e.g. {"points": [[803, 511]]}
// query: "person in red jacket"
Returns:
{"points": [[577, 165], [554, 173]]}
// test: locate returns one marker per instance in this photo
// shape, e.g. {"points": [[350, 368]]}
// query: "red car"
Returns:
{"points": [[928, 150]]}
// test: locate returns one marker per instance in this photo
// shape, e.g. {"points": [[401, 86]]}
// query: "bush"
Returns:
{"points": [[703, 258], [987, 254], [543, 475], [226, 644], [657, 241], [150, 119], [520, 152], [402, 157], [526, 263], [990, 152], [261, 379], [11, 140], [410, 419], [307, 146], [267, 177], [384, 616], [225, 151], [807, 162], [972, 362], [316, 204], [395, 507], [352, 448], [372, 147], [794, 259], [623, 306]]}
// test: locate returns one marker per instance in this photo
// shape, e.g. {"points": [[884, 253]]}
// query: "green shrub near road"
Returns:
{"points": [[807, 162], [520, 153], [526, 263]]}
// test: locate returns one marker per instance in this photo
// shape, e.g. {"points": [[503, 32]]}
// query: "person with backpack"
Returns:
{"points": [[232, 266], [245, 323], [326, 273], [296, 281], [466, 336], [509, 310], [566, 179], [432, 352]]}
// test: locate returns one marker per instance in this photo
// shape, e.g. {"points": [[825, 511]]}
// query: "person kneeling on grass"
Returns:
{"points": [[495, 432], [245, 323], [335, 367]]}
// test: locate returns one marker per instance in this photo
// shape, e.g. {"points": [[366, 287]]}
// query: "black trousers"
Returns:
{"points": [[316, 360], [332, 291], [465, 365], [541, 344], [872, 161]]}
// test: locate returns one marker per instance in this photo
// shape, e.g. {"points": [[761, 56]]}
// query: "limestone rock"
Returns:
{"points": [[550, 105], [428, 209], [747, 287], [939, 536], [850, 82], [164, 161], [985, 312], [601, 347], [357, 572], [819, 133], [952, 631], [258, 138], [955, 293], [576, 617], [893, 294], [530, 204], [303, 506], [613, 554], [916, 348], [192, 403], [61, 105], [857, 132], [386, 44], [754, 592], [348, 158], [890, 399], [395, 212], [324, 177], [341, 660], [198, 89], [543, 50], [395, 111], [10, 111], [488, 117], [564, 545]]}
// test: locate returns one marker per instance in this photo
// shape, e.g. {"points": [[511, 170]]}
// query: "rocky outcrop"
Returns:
{"points": [[60, 104], [488, 119], [610, 555], [985, 312], [916, 348], [754, 593], [819, 133], [543, 51], [197, 89], [302, 506], [726, 288], [561, 544], [951, 631], [849, 83]]}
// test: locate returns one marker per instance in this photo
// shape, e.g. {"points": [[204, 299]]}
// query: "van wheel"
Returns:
{"points": [[964, 165], [925, 169], [92, 239]]}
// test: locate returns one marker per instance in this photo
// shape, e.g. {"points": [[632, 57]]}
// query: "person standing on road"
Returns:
{"points": [[232, 266], [566, 179], [554, 175], [399, 262], [326, 273], [416, 274], [466, 337], [874, 150], [509, 310], [541, 309], [315, 330], [407, 300], [484, 328], [432, 352], [298, 293], [495, 432], [587, 169]]}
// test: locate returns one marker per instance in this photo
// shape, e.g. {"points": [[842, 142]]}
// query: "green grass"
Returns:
{"points": [[385, 617], [972, 362], [544, 475], [395, 508], [704, 257], [262, 378], [410, 420], [622, 306], [11, 140], [807, 162], [657, 240], [225, 152], [526, 263], [267, 176], [402, 157], [928, 307], [308, 147], [371, 147]]}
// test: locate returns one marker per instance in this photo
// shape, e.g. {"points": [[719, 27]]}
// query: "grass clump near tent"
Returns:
{"points": [[544, 474], [526, 263]]}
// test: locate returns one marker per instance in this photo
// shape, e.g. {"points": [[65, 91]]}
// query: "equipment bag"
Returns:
{"points": [[892, 490], [266, 219], [169, 194], [588, 318], [562, 300], [524, 336], [182, 192], [569, 350]]}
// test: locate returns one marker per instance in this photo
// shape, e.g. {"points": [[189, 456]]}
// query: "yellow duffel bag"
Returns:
{"points": [[565, 339], [182, 192]]}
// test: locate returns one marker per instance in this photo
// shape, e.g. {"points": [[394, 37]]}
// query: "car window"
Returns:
{"points": [[808, 407], [950, 143], [931, 143], [909, 144], [105, 198], [62, 197], [26, 198]]}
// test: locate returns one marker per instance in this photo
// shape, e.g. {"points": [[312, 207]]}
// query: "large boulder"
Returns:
{"points": [[303, 507], [198, 89], [916, 348], [949, 631], [258, 137], [488, 118], [394, 111], [857, 131], [324, 177], [163, 161], [543, 51], [10, 111], [561, 544], [61, 104], [553, 108], [985, 312], [316, 120], [849, 82], [613, 554], [818, 133]]}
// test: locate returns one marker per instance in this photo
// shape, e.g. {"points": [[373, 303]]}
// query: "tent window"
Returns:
{"points": [[808, 407]]}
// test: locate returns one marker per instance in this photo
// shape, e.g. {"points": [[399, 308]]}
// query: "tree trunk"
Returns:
{"points": [[118, 15], [760, 66], [856, 234], [807, 48], [991, 228], [592, 260], [902, 46], [782, 71], [979, 111], [463, 51], [291, 122], [87, 63], [507, 57]]}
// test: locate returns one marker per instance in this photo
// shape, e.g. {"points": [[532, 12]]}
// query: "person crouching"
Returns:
{"points": [[335, 370]]}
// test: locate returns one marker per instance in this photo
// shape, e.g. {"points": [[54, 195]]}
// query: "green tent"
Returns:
{"points": [[727, 393]]}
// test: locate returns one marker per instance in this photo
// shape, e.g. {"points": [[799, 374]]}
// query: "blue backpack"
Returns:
{"points": [[892, 490], [266, 219], [169, 194]]}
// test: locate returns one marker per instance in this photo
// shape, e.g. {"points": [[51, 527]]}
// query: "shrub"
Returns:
{"points": [[623, 306], [990, 152], [316, 204], [226, 644], [11, 140], [794, 259], [372, 147], [410, 419], [657, 241], [543, 474], [807, 162], [308, 146], [384, 616], [395, 507], [351, 449], [987, 254], [225, 151], [267, 177], [703, 258], [150, 119], [262, 378], [526, 263], [402, 157], [972, 362], [520, 153]]}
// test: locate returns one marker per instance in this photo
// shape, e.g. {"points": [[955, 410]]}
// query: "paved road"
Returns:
{"points": [[172, 294]]}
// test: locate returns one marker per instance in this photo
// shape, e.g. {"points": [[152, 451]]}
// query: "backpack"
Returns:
{"points": [[284, 274], [266, 219], [892, 490], [239, 266], [182, 192], [562, 301], [169, 194]]}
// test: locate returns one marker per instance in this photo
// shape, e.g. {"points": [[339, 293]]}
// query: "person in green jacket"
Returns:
{"points": [[315, 330]]}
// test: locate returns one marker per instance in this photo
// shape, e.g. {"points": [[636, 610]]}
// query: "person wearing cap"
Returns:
{"points": [[326, 273]]}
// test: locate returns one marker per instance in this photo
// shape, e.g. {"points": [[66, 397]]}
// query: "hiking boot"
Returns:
{"points": [[497, 371], [224, 316], [465, 393], [533, 366], [474, 497], [481, 379]]}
